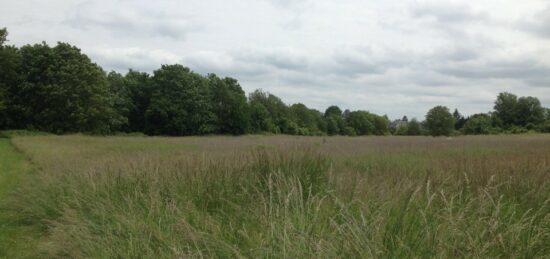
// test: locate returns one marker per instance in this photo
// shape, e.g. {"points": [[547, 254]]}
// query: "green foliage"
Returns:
{"points": [[401, 131], [229, 105], [362, 122], [381, 124], [9, 79], [333, 111], [459, 120], [3, 36], [506, 109], [59, 90], [179, 103], [529, 111], [439, 121], [514, 129], [478, 124], [277, 112], [121, 98], [334, 124], [545, 127], [414, 128], [308, 120], [260, 118], [62, 91]]}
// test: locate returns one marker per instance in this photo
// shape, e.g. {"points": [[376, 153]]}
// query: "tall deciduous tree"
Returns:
{"points": [[140, 89], [121, 98], [459, 120], [9, 78], [229, 105], [439, 121], [179, 103], [414, 128], [279, 112], [478, 124], [506, 109], [361, 122], [529, 112], [62, 91], [333, 111], [307, 119]]}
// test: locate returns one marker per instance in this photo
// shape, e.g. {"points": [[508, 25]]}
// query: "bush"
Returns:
{"points": [[517, 130], [545, 127]]}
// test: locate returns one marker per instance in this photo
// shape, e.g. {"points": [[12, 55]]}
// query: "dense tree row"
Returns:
{"points": [[58, 89], [511, 115]]}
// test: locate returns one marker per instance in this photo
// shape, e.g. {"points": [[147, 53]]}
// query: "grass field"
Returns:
{"points": [[282, 196]]}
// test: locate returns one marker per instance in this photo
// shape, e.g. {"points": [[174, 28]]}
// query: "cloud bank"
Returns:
{"points": [[389, 57]]}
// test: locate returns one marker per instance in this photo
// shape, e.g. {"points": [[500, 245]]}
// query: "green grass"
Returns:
{"points": [[287, 196], [17, 239]]}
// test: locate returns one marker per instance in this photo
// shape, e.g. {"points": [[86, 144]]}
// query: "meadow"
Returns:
{"points": [[281, 197]]}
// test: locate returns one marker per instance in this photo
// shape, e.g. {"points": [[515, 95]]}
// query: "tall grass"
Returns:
{"points": [[289, 197]]}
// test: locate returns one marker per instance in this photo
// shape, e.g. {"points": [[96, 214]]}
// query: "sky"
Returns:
{"points": [[385, 56]]}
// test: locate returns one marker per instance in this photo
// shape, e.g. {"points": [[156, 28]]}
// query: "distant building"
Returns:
{"points": [[399, 123]]}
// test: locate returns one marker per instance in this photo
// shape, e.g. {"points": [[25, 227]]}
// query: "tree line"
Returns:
{"points": [[60, 90], [511, 115]]}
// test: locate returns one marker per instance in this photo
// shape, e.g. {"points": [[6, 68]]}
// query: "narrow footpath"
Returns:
{"points": [[17, 240]]}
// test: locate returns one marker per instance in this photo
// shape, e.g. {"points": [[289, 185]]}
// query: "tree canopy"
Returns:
{"points": [[59, 89], [439, 121]]}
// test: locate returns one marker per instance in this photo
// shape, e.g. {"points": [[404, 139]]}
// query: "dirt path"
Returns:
{"points": [[17, 240]]}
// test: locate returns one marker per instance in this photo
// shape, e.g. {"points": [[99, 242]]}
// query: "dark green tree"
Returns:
{"points": [[62, 91], [381, 124], [3, 36], [335, 120], [439, 121], [459, 120], [9, 78], [400, 130], [414, 128], [529, 112], [361, 122], [179, 103], [121, 98], [332, 126], [478, 124], [229, 105], [260, 119], [333, 111], [140, 90], [279, 112], [307, 119], [506, 109]]}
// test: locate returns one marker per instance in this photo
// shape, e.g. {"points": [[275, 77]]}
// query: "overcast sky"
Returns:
{"points": [[386, 56]]}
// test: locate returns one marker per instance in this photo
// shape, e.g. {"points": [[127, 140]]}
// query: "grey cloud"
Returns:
{"points": [[224, 64], [352, 64], [458, 54], [292, 4], [538, 24], [133, 20], [122, 59], [517, 69], [277, 58], [447, 13]]}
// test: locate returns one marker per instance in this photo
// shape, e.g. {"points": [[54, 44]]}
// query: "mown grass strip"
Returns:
{"points": [[17, 240]]}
